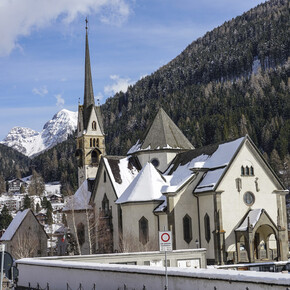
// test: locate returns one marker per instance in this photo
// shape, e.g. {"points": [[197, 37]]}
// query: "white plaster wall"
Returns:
{"points": [[164, 158], [206, 206], [132, 213], [79, 217], [106, 188], [93, 117], [233, 206], [185, 203], [58, 275]]}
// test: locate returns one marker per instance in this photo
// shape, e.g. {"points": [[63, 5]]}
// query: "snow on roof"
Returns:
{"points": [[252, 217], [80, 200], [121, 173], [145, 187], [14, 225], [210, 180], [209, 159]]}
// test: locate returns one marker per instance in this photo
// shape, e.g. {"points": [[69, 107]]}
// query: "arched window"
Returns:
{"points": [[98, 145], [95, 157], [105, 205], [207, 227], [94, 142], [143, 230], [187, 228], [247, 171], [91, 142], [242, 170], [94, 125], [252, 170], [81, 233]]}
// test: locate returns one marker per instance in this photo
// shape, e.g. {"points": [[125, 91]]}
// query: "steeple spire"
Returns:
{"points": [[88, 94]]}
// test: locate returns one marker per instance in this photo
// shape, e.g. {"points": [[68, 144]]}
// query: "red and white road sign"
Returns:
{"points": [[165, 241]]}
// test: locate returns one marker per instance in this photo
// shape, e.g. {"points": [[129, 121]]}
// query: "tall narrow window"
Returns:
{"points": [[187, 231], [105, 205], [143, 230], [242, 170], [95, 157], [247, 170], [207, 227], [94, 142], [252, 170], [81, 233], [105, 176], [91, 142], [98, 145], [94, 125]]}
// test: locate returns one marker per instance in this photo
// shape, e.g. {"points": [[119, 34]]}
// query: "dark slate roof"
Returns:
{"points": [[162, 134]]}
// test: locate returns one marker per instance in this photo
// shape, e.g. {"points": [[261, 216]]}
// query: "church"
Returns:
{"points": [[223, 197]]}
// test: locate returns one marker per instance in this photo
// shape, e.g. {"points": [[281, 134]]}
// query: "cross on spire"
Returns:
{"points": [[87, 23]]}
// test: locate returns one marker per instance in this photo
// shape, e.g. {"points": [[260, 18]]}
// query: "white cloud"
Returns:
{"points": [[19, 17], [59, 100], [120, 84], [40, 91]]}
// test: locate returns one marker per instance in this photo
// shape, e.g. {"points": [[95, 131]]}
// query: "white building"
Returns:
{"points": [[222, 197]]}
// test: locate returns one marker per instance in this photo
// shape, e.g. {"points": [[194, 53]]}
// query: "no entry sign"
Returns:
{"points": [[165, 241]]}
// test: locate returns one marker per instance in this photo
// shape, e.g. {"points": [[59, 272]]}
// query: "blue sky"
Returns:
{"points": [[42, 48]]}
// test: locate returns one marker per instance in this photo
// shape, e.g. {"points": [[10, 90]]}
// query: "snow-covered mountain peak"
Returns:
{"points": [[31, 142]]}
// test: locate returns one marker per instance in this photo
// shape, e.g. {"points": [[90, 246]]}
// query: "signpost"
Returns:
{"points": [[2, 249], [165, 244]]}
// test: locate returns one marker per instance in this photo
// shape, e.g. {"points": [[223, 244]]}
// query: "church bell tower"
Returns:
{"points": [[90, 132]]}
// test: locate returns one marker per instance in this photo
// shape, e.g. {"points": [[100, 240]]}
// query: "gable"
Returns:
{"points": [[93, 118], [249, 157]]}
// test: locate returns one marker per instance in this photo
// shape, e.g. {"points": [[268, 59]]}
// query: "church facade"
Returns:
{"points": [[223, 197]]}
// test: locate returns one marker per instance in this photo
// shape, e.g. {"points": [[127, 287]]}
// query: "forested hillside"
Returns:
{"points": [[13, 164], [231, 82]]}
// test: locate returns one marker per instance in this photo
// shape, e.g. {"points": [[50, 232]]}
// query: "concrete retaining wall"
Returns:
{"points": [[60, 273]]}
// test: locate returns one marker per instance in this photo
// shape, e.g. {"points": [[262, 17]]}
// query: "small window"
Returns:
{"points": [[155, 162], [143, 230], [187, 232], [242, 170], [249, 198], [94, 125], [252, 170], [91, 142], [105, 176], [247, 171], [105, 205], [81, 233], [98, 142], [207, 227], [94, 142]]}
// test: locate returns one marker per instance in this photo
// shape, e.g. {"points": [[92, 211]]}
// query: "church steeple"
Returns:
{"points": [[88, 93], [90, 135]]}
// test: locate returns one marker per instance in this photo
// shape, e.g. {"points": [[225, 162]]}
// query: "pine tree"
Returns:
{"points": [[5, 218], [27, 202], [2, 184]]}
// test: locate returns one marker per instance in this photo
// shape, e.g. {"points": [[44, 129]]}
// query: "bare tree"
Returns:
{"points": [[26, 246], [131, 243]]}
